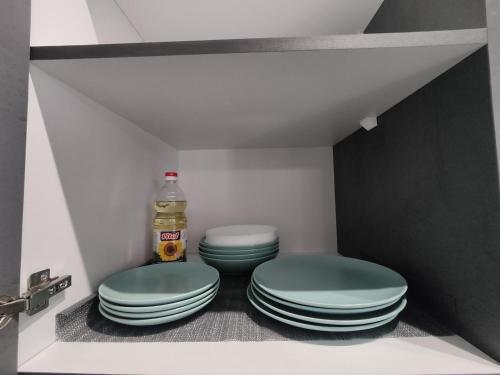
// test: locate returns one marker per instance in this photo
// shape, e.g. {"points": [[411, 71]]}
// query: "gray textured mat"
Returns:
{"points": [[230, 317]]}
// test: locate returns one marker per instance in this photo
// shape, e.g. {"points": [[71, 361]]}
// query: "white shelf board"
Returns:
{"points": [[255, 93], [418, 355]]}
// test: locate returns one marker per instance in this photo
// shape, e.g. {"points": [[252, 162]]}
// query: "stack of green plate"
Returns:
{"points": [[237, 259], [327, 293], [158, 293]]}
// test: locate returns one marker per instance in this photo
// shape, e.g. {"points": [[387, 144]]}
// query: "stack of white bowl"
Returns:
{"points": [[238, 249], [158, 293]]}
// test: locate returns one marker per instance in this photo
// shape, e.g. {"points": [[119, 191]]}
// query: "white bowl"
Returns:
{"points": [[241, 235]]}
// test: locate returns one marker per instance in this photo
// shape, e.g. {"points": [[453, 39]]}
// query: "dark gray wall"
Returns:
{"points": [[425, 15], [420, 194], [14, 65]]}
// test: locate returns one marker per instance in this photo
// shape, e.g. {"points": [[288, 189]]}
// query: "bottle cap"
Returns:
{"points": [[170, 176]]}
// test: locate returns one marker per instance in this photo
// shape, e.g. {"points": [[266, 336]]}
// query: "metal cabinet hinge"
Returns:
{"points": [[41, 287]]}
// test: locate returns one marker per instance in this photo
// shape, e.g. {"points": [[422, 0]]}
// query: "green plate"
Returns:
{"points": [[238, 257], [331, 319], [321, 310], [239, 251], [151, 321], [235, 266], [157, 314], [330, 281], [253, 247], [155, 308], [315, 327], [158, 283]]}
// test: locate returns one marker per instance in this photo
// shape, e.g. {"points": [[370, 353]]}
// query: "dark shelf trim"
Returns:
{"points": [[178, 48], [229, 46]]}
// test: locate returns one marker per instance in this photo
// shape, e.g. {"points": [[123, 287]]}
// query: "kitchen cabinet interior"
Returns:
{"points": [[249, 120]]}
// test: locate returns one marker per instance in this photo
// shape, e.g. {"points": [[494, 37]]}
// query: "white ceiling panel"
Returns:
{"points": [[175, 20], [267, 99]]}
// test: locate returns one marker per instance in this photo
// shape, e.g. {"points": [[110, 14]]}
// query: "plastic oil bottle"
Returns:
{"points": [[170, 222]]}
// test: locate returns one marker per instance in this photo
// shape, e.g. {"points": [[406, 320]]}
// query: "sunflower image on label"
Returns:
{"points": [[170, 245]]}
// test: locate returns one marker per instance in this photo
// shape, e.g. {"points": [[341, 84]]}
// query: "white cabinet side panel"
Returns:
{"points": [[68, 22], [292, 189], [90, 178]]}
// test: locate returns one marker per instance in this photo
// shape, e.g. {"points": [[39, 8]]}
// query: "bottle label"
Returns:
{"points": [[170, 245]]}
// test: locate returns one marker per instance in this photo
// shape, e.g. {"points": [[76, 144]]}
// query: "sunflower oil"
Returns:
{"points": [[170, 222]]}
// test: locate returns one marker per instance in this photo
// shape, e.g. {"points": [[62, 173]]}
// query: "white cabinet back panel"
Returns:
{"points": [[170, 20], [90, 178], [292, 189], [68, 22]]}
